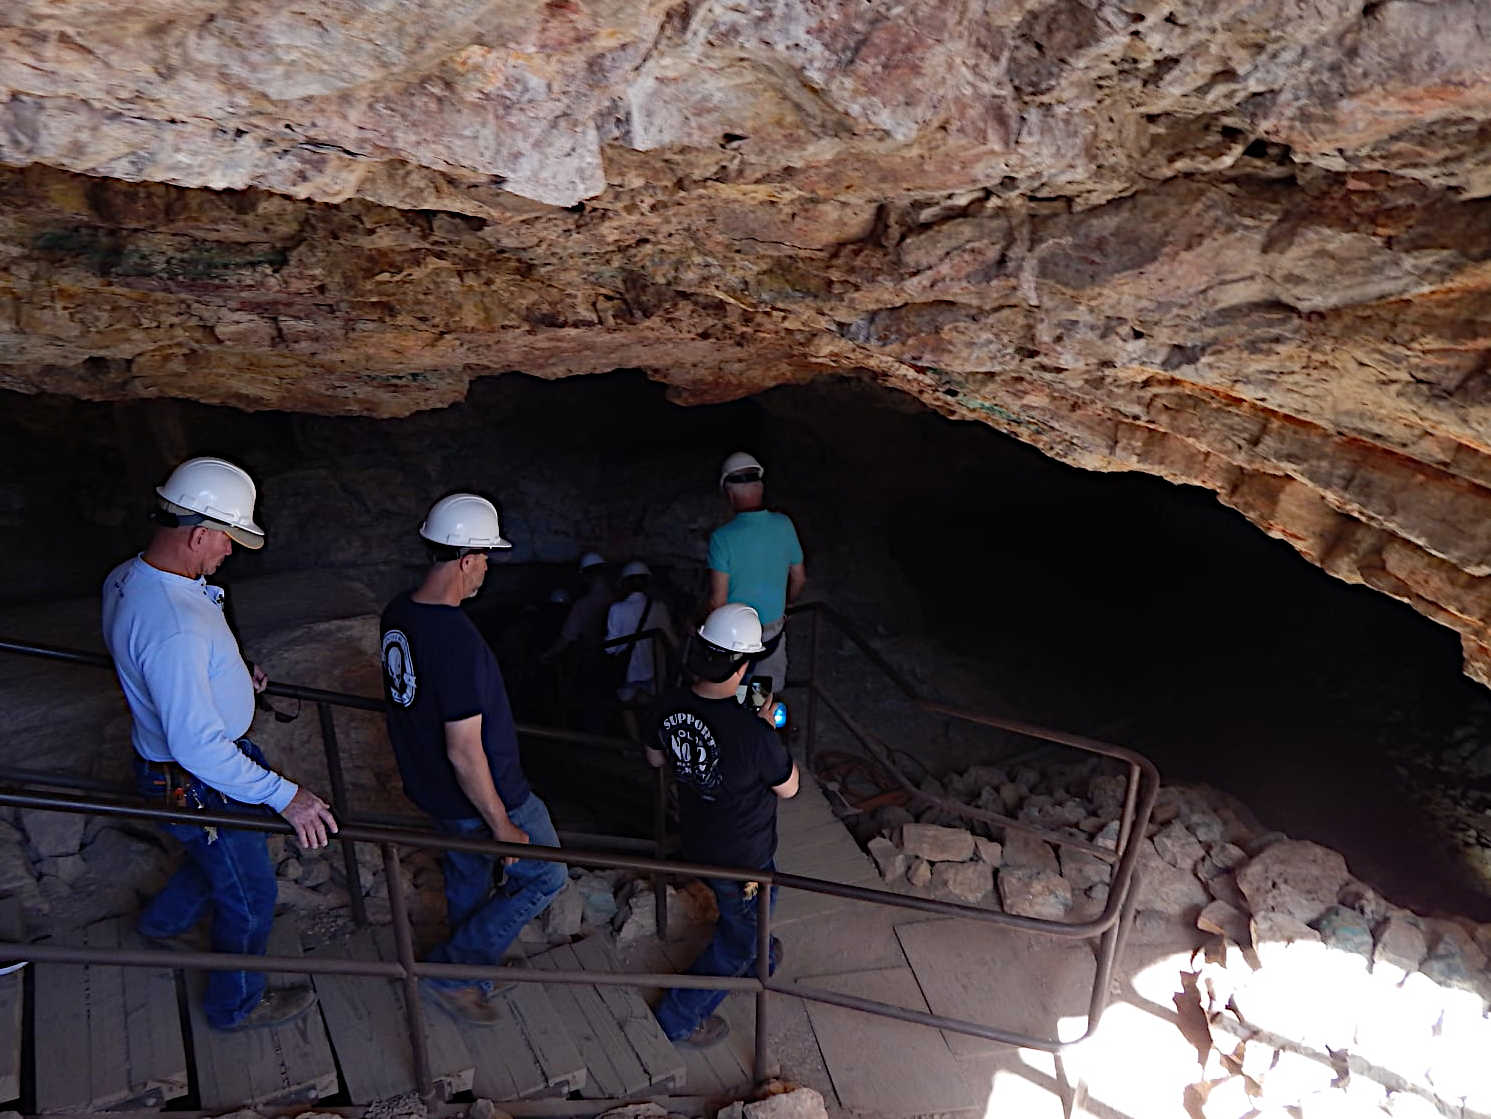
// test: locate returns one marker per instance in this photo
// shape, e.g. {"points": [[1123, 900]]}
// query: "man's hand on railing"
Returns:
{"points": [[508, 832], [311, 818]]}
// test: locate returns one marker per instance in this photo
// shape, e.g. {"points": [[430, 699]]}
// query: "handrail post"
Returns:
{"points": [[660, 838], [763, 972], [405, 943], [339, 806], [812, 692]]}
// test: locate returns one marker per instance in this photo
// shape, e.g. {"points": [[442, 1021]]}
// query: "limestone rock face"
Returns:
{"points": [[1241, 246]]}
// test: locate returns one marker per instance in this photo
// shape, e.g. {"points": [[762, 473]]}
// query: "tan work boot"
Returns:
{"points": [[278, 1006], [470, 1004], [708, 1034]]}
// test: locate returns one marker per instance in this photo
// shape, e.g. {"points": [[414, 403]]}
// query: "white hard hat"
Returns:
{"points": [[738, 463], [735, 628], [214, 493], [592, 559], [463, 520], [635, 567]]}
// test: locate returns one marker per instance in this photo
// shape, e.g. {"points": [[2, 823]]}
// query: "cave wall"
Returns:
{"points": [[1240, 245]]}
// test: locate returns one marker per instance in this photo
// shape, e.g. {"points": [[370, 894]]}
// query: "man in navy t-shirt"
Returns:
{"points": [[730, 767], [452, 732]]}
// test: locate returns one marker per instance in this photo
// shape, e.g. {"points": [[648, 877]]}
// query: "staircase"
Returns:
{"points": [[109, 1037]]}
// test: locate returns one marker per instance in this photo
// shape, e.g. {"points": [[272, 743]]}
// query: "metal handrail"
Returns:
{"points": [[1137, 763], [1142, 788]]}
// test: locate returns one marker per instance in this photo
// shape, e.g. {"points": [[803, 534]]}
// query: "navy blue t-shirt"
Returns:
{"points": [[437, 669], [725, 760]]}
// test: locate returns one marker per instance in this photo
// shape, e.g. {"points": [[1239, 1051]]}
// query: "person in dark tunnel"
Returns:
{"points": [[451, 726], [731, 769], [755, 558]]}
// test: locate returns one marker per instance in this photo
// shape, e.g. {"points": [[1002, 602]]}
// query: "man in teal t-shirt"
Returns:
{"points": [[755, 558]]}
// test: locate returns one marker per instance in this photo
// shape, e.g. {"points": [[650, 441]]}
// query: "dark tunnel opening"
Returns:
{"points": [[1114, 605]]}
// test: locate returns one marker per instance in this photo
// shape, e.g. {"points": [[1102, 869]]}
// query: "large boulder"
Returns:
{"points": [[937, 844], [799, 1103], [1023, 850], [890, 860], [1031, 892], [54, 834], [1294, 876], [1166, 889], [1178, 847], [967, 882]]}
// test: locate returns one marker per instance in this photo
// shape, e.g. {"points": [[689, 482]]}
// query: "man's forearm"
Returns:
{"points": [[475, 779]]}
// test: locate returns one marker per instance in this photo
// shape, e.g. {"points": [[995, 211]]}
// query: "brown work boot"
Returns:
{"points": [[471, 1004], [278, 1006], [709, 1033]]}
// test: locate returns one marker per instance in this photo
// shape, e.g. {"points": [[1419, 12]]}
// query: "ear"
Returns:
{"points": [[197, 538]]}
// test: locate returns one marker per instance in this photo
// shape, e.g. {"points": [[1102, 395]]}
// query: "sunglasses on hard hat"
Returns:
{"points": [[742, 477]]}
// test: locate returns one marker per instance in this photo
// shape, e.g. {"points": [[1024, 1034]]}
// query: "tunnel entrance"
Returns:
{"points": [[1119, 606]]}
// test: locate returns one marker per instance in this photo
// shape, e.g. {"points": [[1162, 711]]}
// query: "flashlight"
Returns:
{"points": [[779, 715]]}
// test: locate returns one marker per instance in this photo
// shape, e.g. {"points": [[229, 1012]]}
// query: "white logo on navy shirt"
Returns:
{"points": [[398, 668], [696, 755]]}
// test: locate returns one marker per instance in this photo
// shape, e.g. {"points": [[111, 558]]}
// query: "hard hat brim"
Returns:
{"points": [[250, 536], [710, 662], [755, 650], [500, 545], [252, 540]]}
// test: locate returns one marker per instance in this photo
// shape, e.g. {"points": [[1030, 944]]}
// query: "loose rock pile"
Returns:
{"points": [[67, 871], [1322, 997], [940, 854], [1321, 1000]]}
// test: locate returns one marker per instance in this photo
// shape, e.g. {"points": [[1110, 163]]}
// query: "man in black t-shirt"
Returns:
{"points": [[730, 767], [453, 735]]}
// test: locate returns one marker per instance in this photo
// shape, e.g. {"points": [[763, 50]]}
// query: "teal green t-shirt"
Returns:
{"points": [[755, 549]]}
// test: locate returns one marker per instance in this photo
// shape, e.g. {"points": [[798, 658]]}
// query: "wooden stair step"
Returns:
{"points": [[119, 1026], [624, 1049], [367, 1021], [285, 1064], [527, 1054], [12, 1004]]}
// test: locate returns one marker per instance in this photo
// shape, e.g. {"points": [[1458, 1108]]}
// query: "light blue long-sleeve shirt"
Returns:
{"points": [[190, 694]]}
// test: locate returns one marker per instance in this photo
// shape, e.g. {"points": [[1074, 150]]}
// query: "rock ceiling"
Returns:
{"points": [[1242, 245]]}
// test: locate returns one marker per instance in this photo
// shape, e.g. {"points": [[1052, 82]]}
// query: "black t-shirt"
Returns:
{"points": [[437, 669], [726, 761]]}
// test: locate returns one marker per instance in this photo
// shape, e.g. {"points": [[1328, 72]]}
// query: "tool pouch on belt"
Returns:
{"points": [[170, 785]]}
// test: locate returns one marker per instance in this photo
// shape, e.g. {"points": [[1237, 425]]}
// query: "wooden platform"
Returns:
{"points": [[286, 1064], [527, 1054], [883, 1065], [625, 1050], [724, 1071], [119, 1029], [811, 841], [1040, 982], [368, 1025], [144, 1040]]}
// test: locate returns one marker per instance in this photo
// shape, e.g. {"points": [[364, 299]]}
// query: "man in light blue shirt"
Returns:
{"points": [[755, 558], [191, 700]]}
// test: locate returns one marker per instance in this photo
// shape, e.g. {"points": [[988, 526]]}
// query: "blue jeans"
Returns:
{"points": [[485, 919], [732, 951], [232, 876]]}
